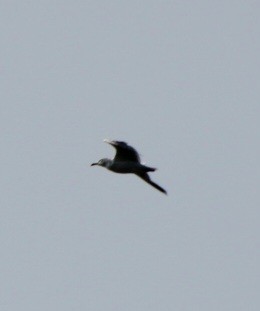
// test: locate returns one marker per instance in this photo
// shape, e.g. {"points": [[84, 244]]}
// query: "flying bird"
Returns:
{"points": [[127, 160]]}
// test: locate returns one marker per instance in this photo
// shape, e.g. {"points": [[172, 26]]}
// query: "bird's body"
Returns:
{"points": [[127, 161], [127, 167]]}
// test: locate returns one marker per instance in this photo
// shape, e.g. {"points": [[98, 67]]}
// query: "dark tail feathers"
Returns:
{"points": [[148, 169]]}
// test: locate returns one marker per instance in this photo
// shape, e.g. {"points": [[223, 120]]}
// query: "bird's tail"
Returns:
{"points": [[146, 178], [148, 169]]}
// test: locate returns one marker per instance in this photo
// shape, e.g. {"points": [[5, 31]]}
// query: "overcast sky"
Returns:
{"points": [[179, 81]]}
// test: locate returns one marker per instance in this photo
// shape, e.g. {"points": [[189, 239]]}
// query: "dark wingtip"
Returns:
{"points": [[162, 190]]}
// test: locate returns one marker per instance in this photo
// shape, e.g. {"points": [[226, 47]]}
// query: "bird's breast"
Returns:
{"points": [[125, 167]]}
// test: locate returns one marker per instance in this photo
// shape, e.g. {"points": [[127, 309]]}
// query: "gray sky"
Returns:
{"points": [[178, 80]]}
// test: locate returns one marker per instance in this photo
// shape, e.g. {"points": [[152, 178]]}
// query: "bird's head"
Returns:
{"points": [[103, 162]]}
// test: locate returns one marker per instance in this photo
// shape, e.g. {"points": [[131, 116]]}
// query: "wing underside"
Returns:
{"points": [[124, 152], [147, 179]]}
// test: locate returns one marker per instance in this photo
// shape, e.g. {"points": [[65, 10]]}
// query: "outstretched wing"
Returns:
{"points": [[124, 152], [147, 178]]}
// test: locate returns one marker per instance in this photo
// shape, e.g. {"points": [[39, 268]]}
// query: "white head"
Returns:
{"points": [[103, 162]]}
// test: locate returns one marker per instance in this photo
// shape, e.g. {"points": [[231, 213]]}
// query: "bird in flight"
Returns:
{"points": [[127, 160]]}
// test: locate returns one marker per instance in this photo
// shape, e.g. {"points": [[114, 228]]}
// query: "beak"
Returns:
{"points": [[108, 141], [93, 164]]}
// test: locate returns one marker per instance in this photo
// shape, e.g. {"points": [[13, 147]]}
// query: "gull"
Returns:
{"points": [[127, 160]]}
